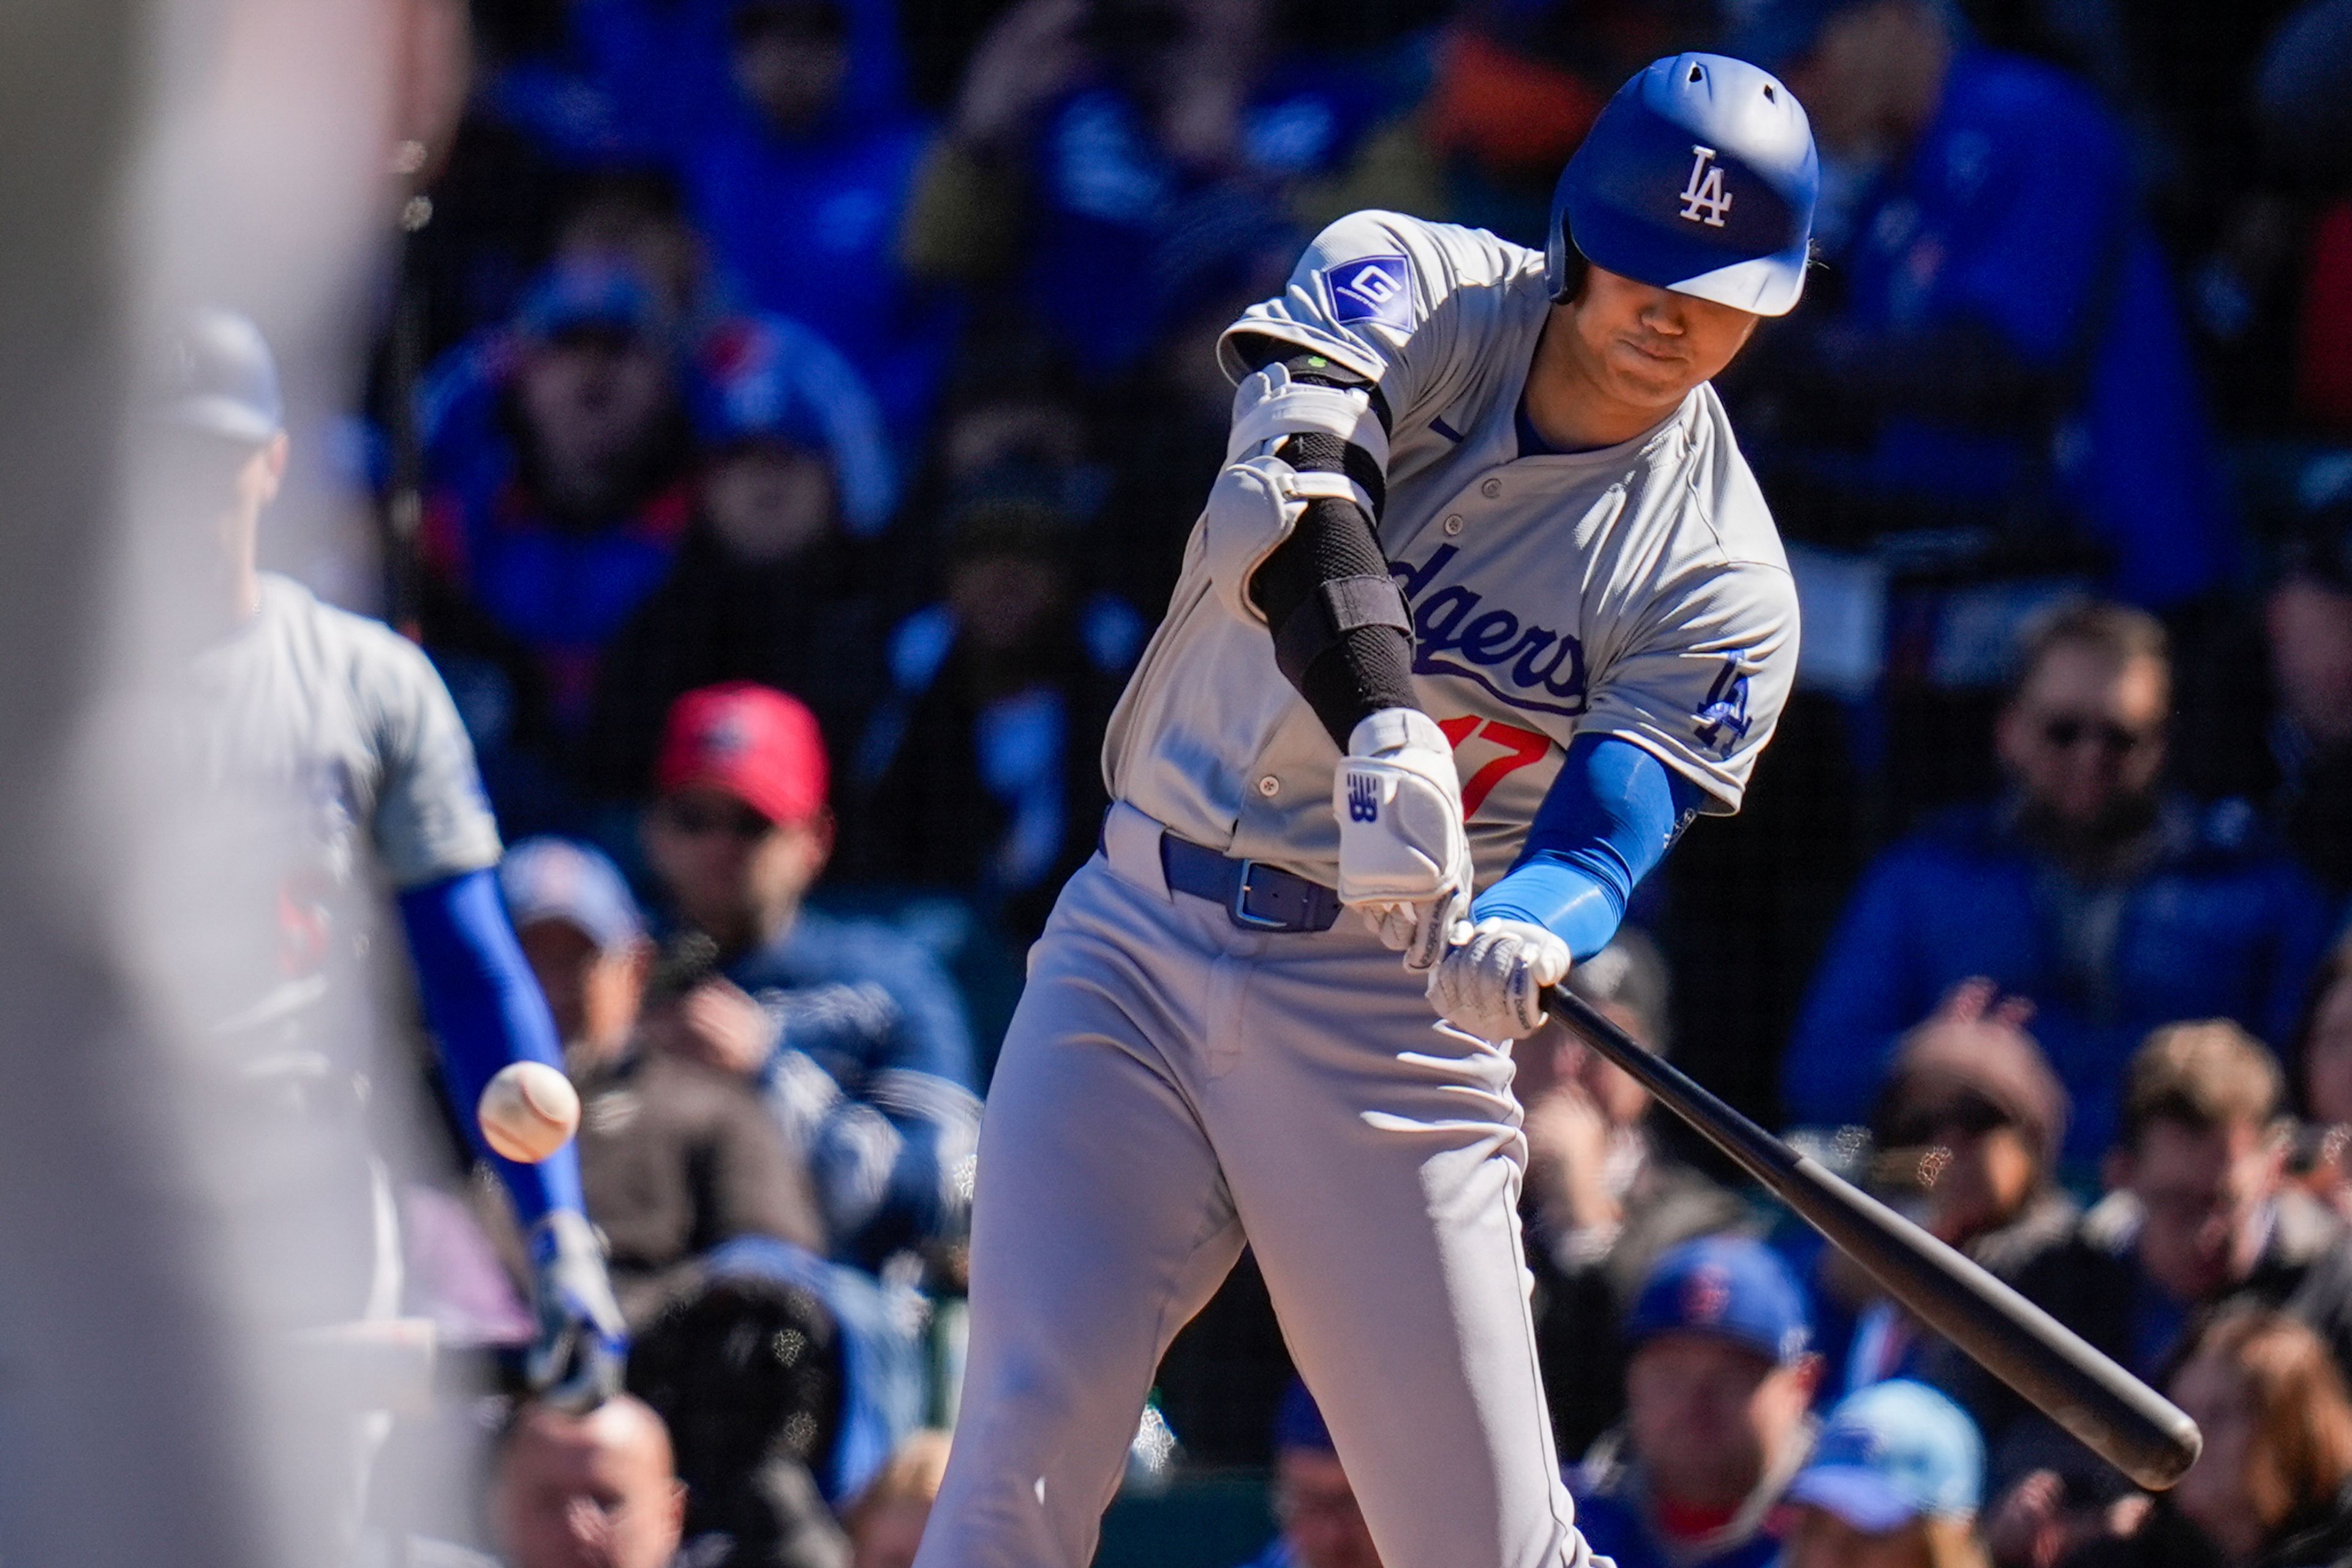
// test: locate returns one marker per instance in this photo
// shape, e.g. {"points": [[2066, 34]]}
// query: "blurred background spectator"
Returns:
{"points": [[2111, 902], [676, 1157], [988, 687], [1321, 1526], [2323, 1083], [1965, 1140], [2000, 376], [857, 1040], [2275, 1483], [2200, 1216], [1895, 1482], [886, 1524], [1718, 1388], [598, 1487]]}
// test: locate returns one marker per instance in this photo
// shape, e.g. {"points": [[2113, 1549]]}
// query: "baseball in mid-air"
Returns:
{"points": [[529, 1111]]}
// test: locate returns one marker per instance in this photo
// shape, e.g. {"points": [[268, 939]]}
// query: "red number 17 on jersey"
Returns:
{"points": [[1521, 748]]}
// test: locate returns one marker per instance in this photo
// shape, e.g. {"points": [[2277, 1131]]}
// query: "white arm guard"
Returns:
{"points": [[1404, 852], [1258, 499]]}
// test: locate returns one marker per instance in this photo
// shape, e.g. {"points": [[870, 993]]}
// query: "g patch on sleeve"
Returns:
{"points": [[1372, 289]]}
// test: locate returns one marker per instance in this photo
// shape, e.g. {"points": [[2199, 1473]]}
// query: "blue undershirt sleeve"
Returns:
{"points": [[1608, 819], [487, 1011]]}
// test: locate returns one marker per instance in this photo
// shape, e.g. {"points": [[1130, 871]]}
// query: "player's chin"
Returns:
{"points": [[1644, 377]]}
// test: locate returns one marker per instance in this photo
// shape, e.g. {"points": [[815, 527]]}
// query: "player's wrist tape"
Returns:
{"points": [[1333, 610]]}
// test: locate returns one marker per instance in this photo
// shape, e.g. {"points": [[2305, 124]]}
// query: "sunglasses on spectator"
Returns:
{"points": [[1971, 1116], [2064, 731], [699, 819]]}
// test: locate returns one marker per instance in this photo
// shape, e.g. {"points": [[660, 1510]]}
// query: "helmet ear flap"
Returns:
{"points": [[1568, 278]]}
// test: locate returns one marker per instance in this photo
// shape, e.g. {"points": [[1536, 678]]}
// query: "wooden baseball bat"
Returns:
{"points": [[2120, 1418]]}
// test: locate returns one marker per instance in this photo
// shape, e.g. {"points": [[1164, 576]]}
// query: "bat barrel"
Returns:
{"points": [[2113, 1413]]}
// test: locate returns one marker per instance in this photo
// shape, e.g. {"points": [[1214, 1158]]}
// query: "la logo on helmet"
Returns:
{"points": [[1704, 198]]}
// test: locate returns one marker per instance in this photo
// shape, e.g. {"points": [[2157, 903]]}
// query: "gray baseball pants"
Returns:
{"points": [[1172, 1087]]}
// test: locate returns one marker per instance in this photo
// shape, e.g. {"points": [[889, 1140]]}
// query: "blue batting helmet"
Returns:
{"points": [[1699, 176]]}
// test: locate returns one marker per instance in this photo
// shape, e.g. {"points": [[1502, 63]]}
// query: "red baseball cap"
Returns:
{"points": [[751, 740]]}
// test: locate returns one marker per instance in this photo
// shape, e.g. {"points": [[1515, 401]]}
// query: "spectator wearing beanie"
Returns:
{"points": [[852, 1032], [1718, 1388], [1968, 1132]]}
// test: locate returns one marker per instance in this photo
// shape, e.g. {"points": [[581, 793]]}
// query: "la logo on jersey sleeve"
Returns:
{"points": [[1372, 289]]}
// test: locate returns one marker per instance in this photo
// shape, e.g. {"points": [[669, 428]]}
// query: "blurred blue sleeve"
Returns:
{"points": [[1608, 819], [485, 1011]]}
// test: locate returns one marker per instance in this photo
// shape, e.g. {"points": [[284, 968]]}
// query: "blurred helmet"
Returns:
{"points": [[1699, 176], [218, 378]]}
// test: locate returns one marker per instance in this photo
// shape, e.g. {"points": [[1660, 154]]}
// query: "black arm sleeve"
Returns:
{"points": [[1322, 589]]}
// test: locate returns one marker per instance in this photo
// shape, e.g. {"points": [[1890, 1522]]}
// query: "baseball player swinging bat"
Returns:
{"points": [[2119, 1417]]}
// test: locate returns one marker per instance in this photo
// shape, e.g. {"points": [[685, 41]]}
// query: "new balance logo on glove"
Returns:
{"points": [[1364, 798]]}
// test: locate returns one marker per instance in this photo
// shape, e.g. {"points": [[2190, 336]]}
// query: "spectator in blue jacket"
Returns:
{"points": [[2000, 347], [2088, 887], [858, 1038], [558, 457], [800, 185], [1102, 156], [1717, 1389]]}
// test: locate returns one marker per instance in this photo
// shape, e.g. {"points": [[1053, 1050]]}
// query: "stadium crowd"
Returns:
{"points": [[789, 419]]}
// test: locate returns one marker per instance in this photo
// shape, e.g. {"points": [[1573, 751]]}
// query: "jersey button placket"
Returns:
{"points": [[1490, 487], [1269, 786], [1454, 524]]}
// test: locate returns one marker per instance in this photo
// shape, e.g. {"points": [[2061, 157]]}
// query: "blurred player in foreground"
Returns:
{"points": [[1483, 609], [315, 735]]}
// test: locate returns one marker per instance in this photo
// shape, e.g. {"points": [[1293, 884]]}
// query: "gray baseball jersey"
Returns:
{"points": [[1638, 590], [319, 734]]}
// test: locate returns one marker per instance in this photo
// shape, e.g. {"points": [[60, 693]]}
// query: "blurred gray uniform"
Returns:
{"points": [[327, 744], [1176, 1084]]}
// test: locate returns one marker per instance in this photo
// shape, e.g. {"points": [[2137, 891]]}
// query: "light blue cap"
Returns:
{"points": [[551, 879], [1891, 1453]]}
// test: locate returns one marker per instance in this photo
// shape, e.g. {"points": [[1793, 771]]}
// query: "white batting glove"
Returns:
{"points": [[1491, 986], [576, 1358], [1405, 854]]}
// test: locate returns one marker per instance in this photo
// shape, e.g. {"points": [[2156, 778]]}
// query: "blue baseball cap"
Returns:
{"points": [[575, 294], [763, 398], [1891, 1453], [551, 879], [1730, 1287], [219, 378], [1699, 177]]}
